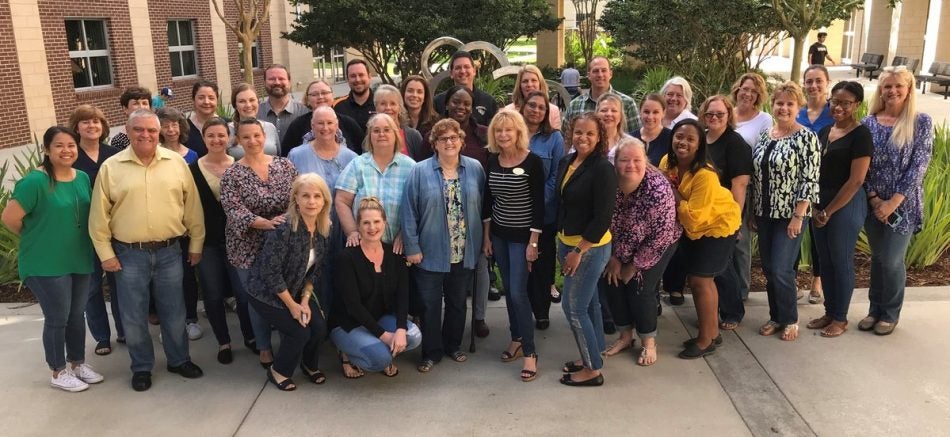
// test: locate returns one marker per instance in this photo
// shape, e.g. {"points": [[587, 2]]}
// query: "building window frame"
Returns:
{"points": [[181, 45], [81, 56], [255, 55]]}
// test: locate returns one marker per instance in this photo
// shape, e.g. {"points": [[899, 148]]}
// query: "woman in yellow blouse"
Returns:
{"points": [[710, 219]]}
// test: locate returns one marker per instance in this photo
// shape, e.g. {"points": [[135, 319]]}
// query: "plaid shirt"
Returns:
{"points": [[584, 103], [364, 179]]}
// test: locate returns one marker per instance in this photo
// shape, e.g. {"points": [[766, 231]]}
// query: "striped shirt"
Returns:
{"points": [[514, 198]]}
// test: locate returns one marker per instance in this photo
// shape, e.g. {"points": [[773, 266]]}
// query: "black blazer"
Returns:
{"points": [[586, 203], [215, 218]]}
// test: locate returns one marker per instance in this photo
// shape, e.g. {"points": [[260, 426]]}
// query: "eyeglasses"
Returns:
{"points": [[319, 93], [748, 90], [715, 115], [448, 139], [841, 103]]}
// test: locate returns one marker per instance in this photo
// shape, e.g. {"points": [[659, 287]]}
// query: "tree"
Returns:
{"points": [[798, 17], [586, 11], [251, 15], [396, 31]]}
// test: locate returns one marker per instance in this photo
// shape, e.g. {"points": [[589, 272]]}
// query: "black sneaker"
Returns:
{"points": [[188, 370], [494, 294], [141, 381], [716, 341], [692, 351]]}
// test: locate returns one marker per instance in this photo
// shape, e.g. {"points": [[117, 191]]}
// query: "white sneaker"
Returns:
{"points": [[67, 381], [194, 331], [86, 374]]}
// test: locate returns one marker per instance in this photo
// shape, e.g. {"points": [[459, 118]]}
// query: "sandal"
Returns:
{"points": [[390, 371], [285, 385], [530, 375], [814, 297], [316, 377], [354, 371], [618, 346], [769, 328], [647, 356], [507, 357], [790, 332], [820, 323], [425, 366], [677, 298], [458, 356], [728, 326], [834, 329], [103, 348], [572, 367]]}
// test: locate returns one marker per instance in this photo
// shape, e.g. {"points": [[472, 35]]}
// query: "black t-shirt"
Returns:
{"points": [[356, 111], [817, 53], [836, 160], [483, 108], [659, 147], [731, 156]]}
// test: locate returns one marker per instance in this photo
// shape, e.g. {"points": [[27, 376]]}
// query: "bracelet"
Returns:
{"points": [[798, 216]]}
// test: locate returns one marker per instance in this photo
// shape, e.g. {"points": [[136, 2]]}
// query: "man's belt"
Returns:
{"points": [[150, 245]]}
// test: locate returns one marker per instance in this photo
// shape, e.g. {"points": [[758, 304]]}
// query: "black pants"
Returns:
{"points": [[541, 276], [674, 277], [634, 304], [442, 336], [298, 344]]}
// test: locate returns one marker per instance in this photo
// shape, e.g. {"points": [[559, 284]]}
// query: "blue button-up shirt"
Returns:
{"points": [[425, 228]]}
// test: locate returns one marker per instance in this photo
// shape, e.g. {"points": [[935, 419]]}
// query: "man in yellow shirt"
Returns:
{"points": [[143, 202]]}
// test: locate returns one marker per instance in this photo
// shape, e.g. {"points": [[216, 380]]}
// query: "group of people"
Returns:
{"points": [[367, 220]]}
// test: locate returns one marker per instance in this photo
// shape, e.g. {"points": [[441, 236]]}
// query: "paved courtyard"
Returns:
{"points": [[858, 384]]}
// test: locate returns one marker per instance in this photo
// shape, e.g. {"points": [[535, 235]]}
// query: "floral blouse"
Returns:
{"points": [[644, 223], [785, 171], [245, 197], [901, 170], [456, 220]]}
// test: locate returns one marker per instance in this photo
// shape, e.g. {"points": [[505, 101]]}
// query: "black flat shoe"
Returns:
{"points": [[285, 385], [141, 381], [593, 382], [316, 377], [716, 341], [187, 369], [225, 356], [677, 298], [542, 324], [571, 367], [693, 352]]}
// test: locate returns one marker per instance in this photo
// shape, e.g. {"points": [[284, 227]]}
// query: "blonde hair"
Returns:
{"points": [[903, 133], [293, 211], [371, 203], [761, 91], [682, 83], [368, 141], [622, 122], [387, 90], [89, 112], [791, 89], [629, 142], [518, 97], [508, 116], [730, 113]]}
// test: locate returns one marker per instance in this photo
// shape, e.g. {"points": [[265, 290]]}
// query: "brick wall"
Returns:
{"points": [[53, 14], [13, 117], [201, 14]]}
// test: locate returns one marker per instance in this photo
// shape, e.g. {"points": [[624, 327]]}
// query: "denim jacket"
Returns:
{"points": [[551, 149], [425, 228]]}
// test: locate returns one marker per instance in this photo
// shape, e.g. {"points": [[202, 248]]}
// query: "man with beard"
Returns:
{"points": [[279, 108], [462, 69], [359, 103]]}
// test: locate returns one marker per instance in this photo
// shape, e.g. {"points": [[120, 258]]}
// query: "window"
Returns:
{"points": [[89, 53], [255, 55], [181, 49]]}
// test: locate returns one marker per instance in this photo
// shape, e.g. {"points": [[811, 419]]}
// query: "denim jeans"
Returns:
{"points": [[160, 270], [298, 344], [513, 263], [189, 283], [366, 350], [442, 337], [835, 243], [217, 277], [888, 270], [778, 254], [261, 327], [63, 301], [634, 304], [96, 315], [581, 303], [542, 274], [729, 283], [742, 257]]}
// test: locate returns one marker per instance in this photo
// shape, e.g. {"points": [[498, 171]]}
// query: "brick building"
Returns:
{"points": [[57, 54]]}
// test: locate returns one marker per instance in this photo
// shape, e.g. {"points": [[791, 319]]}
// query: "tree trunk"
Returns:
{"points": [[797, 58], [247, 58]]}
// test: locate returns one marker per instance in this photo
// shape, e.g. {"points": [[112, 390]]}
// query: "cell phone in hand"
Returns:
{"points": [[894, 219]]}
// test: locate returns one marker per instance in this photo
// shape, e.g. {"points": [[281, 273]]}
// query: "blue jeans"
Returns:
{"points": [[160, 270], [581, 303], [96, 315], [366, 350], [888, 270], [742, 257], [835, 243], [442, 337], [261, 327], [217, 276], [778, 254], [63, 301], [730, 282], [513, 263]]}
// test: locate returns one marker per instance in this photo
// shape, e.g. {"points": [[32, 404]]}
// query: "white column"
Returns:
{"points": [[142, 45], [219, 40]]}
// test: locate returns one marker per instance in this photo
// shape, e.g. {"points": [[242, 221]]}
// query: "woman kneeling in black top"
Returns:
{"points": [[370, 319], [281, 281]]}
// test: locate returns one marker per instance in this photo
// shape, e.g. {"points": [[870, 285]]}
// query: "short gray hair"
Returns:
{"points": [[143, 113]]}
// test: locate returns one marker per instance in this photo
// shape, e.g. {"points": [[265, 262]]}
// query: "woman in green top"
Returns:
{"points": [[50, 210]]}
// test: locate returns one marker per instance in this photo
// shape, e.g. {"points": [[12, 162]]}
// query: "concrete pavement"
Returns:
{"points": [[858, 384]]}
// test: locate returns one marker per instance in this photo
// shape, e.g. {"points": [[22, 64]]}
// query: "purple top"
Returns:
{"points": [[901, 170], [644, 223], [245, 197]]}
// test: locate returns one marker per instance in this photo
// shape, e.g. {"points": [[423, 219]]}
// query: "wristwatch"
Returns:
{"points": [[577, 249]]}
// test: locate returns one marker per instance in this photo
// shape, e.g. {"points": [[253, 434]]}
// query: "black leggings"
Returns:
{"points": [[298, 344]]}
